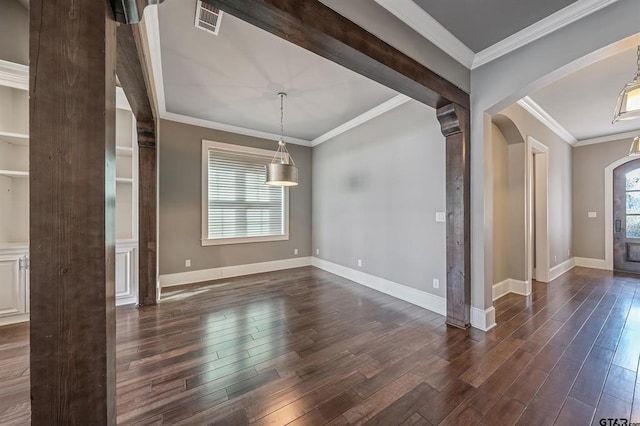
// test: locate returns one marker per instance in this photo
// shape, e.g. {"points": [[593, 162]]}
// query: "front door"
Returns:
{"points": [[626, 217]]}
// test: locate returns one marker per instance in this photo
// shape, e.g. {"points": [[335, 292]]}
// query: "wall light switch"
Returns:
{"points": [[441, 217], [317, 251], [295, 251], [436, 283], [360, 263], [592, 214], [187, 263]]}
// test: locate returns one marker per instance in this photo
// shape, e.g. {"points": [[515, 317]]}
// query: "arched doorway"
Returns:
{"points": [[626, 217]]}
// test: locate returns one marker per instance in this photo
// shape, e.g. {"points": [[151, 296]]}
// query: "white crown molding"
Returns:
{"points": [[153, 36], [14, 75], [541, 115], [551, 23], [392, 103], [152, 26], [425, 25], [609, 138], [185, 119]]}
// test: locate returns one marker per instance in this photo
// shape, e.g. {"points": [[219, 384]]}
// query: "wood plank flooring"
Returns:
{"points": [[304, 347]]}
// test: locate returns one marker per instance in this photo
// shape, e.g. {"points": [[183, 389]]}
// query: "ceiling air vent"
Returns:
{"points": [[208, 17]]}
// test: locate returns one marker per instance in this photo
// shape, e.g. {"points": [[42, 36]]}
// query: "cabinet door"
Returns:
{"points": [[126, 288], [12, 290]]}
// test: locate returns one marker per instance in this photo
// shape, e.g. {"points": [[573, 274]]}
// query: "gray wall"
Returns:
{"points": [[499, 83], [376, 189], [508, 206], [589, 162], [515, 212], [14, 32], [560, 182], [180, 203], [500, 151]]}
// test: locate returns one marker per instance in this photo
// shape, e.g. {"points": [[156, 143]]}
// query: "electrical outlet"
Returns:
{"points": [[187, 263], [592, 214], [441, 217], [317, 251], [436, 283], [360, 263], [295, 251]]}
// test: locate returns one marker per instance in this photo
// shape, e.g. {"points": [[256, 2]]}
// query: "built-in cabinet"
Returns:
{"points": [[14, 197]]}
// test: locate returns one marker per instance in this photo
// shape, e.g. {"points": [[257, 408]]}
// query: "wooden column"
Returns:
{"points": [[148, 276], [314, 26], [136, 83], [72, 212], [455, 126]]}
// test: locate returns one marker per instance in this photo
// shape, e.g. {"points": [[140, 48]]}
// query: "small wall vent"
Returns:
{"points": [[208, 18]]}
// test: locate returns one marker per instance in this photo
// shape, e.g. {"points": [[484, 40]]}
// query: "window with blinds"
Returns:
{"points": [[238, 206]]}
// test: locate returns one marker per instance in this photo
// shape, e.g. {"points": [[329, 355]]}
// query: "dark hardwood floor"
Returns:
{"points": [[305, 347]]}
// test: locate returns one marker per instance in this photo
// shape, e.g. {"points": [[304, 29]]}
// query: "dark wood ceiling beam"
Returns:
{"points": [[131, 73], [316, 27], [130, 11]]}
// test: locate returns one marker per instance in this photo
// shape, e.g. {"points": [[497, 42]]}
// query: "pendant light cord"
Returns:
{"points": [[282, 154], [282, 95]]}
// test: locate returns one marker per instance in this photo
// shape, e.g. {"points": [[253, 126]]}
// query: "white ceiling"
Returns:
{"points": [[583, 102], [234, 78], [480, 24]]}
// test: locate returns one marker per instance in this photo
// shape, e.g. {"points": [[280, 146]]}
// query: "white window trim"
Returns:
{"points": [[205, 240]]}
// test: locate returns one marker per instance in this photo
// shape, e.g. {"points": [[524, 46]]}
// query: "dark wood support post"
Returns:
{"points": [[314, 26], [455, 125], [148, 276], [72, 212], [136, 83]]}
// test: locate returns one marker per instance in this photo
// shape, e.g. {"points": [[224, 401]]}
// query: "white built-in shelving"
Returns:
{"points": [[14, 197]]}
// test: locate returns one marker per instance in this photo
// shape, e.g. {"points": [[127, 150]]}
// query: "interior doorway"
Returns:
{"points": [[626, 216], [537, 212]]}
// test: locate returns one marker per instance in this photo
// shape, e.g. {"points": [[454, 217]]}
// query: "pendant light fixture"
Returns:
{"points": [[282, 170], [628, 106]]}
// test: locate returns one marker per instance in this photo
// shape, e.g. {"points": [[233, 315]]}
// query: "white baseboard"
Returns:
{"points": [[127, 301], [502, 288], [523, 288], [560, 269], [510, 285], [181, 278], [423, 299], [14, 319], [590, 263], [483, 320]]}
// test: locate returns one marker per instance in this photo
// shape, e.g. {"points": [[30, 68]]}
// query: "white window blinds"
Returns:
{"points": [[239, 203]]}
